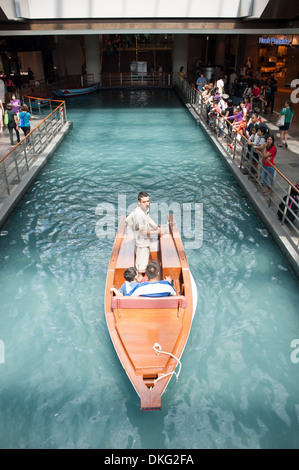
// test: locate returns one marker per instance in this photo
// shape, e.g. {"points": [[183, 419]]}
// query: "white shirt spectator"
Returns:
{"points": [[220, 85]]}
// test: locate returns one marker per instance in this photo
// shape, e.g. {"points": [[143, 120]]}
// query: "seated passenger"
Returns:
{"points": [[154, 287], [131, 280]]}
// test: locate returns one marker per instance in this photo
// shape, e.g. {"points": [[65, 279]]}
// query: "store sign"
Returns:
{"points": [[275, 41]]}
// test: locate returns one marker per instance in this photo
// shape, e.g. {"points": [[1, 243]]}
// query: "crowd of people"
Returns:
{"points": [[15, 117], [243, 123]]}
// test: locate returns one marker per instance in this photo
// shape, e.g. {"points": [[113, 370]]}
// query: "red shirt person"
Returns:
{"points": [[255, 95], [268, 164]]}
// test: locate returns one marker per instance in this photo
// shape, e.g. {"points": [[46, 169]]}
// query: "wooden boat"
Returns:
{"points": [[69, 92], [150, 334]]}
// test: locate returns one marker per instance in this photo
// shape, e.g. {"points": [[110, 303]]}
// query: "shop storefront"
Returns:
{"points": [[278, 55]]}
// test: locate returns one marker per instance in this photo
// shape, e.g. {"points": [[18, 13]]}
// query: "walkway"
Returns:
{"points": [[5, 145], [287, 159], [38, 153]]}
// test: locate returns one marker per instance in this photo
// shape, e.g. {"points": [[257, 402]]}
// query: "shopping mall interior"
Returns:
{"points": [[60, 42]]}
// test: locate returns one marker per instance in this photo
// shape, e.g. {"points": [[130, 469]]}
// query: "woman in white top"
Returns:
{"points": [[220, 85]]}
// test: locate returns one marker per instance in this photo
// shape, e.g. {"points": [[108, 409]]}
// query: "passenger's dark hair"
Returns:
{"points": [[152, 270], [289, 103], [263, 130], [142, 194], [130, 274]]}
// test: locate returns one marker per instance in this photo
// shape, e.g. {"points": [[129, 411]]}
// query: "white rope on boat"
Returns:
{"points": [[158, 350]]}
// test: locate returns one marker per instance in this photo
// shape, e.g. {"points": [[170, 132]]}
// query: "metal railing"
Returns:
{"points": [[281, 193], [137, 79], [20, 159]]}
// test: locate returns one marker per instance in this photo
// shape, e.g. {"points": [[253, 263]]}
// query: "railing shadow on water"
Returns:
{"points": [[281, 193], [20, 159]]}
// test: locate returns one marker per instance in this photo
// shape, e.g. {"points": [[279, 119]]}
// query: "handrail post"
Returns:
{"points": [[271, 189], [32, 141], [259, 170], [17, 169], [286, 205], [235, 144], [30, 106], [40, 138], [242, 153], [6, 179], [25, 154]]}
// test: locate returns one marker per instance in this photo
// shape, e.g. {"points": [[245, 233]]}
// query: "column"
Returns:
{"points": [[220, 50], [92, 56], [180, 53]]}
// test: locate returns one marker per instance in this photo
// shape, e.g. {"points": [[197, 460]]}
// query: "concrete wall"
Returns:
{"points": [[34, 60], [180, 52], [92, 55], [67, 56]]}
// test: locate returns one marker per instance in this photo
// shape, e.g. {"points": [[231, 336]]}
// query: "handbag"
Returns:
{"points": [[6, 118], [281, 120], [20, 123], [21, 120]]}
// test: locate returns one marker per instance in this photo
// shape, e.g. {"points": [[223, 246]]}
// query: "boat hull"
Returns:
{"points": [[69, 92], [139, 326]]}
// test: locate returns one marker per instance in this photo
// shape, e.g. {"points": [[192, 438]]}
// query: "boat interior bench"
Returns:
{"points": [[171, 265], [123, 305], [169, 302], [126, 259]]}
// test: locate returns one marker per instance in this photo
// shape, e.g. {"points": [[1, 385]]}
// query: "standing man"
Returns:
{"points": [[140, 222], [255, 95], [270, 94], [220, 85], [232, 80], [201, 82]]}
